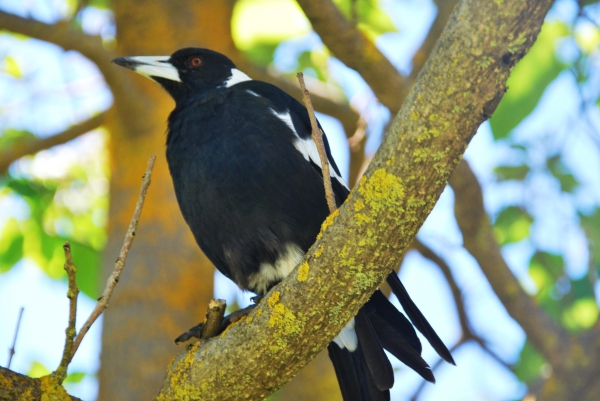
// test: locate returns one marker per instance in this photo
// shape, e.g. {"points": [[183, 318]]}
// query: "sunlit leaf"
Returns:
{"points": [[504, 173], [545, 269], [530, 365], [11, 67], [371, 19], [266, 22], [512, 225], [74, 377], [529, 80], [587, 36], [10, 136], [582, 314], [87, 261], [38, 370], [11, 245]]}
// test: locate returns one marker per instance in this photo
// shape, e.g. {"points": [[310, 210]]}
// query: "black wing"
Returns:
{"points": [[295, 115]]}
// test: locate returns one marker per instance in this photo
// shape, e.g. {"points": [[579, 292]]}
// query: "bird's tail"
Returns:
{"points": [[366, 374]]}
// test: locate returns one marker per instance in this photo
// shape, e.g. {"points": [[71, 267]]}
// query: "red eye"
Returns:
{"points": [[195, 61]]}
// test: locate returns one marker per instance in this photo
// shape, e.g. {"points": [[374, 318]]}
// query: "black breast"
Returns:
{"points": [[250, 198]]}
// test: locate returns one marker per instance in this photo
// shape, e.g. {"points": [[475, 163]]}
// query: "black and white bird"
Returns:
{"points": [[248, 180]]}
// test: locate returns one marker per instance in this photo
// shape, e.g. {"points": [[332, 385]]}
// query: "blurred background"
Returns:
{"points": [[76, 133]]}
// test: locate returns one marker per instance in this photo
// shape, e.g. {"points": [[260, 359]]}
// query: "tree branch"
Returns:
{"points": [[363, 240], [16, 386], [317, 137], [34, 145], [352, 47], [62, 34], [61, 372], [120, 263], [478, 238]]}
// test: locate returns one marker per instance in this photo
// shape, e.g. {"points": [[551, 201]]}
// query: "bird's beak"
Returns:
{"points": [[151, 67]]}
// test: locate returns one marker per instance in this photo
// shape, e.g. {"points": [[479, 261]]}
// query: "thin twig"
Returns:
{"points": [[214, 317], [435, 366], [72, 293], [317, 136], [11, 350], [120, 263]]}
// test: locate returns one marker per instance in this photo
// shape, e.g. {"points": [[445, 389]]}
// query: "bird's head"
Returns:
{"points": [[186, 71]]}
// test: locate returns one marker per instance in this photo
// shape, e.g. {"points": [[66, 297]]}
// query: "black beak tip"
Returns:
{"points": [[124, 62]]}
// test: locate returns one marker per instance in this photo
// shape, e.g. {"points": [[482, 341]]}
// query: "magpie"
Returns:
{"points": [[248, 180]]}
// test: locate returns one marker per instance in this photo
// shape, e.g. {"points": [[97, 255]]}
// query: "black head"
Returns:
{"points": [[186, 71]]}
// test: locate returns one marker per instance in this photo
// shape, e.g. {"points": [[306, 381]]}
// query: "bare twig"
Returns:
{"points": [[30, 146], [120, 263], [11, 350], [214, 317], [429, 254], [435, 366], [317, 136], [72, 293]]}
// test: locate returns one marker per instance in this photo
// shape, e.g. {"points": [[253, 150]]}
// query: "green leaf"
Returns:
{"points": [[74, 377], [557, 168], [266, 22], [504, 173], [38, 370], [11, 246], [371, 19], [530, 365], [87, 261], [529, 80], [512, 225], [581, 315], [591, 227], [10, 136], [261, 53]]}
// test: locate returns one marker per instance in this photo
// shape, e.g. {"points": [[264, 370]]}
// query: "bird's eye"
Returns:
{"points": [[195, 61]]}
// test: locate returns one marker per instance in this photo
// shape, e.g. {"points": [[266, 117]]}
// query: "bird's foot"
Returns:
{"points": [[197, 331], [256, 299]]}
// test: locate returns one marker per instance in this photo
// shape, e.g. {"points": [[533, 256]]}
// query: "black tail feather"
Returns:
{"points": [[417, 318], [354, 377], [353, 384], [378, 363], [399, 343]]}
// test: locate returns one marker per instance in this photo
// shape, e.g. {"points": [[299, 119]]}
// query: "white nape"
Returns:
{"points": [[347, 337], [269, 274], [156, 66], [236, 77]]}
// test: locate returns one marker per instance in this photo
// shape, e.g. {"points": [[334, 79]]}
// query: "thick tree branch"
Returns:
{"points": [[478, 238], [34, 145], [351, 46], [15, 386], [458, 88], [444, 8], [62, 34]]}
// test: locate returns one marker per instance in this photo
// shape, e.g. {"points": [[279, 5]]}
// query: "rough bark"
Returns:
{"points": [[459, 87], [17, 387]]}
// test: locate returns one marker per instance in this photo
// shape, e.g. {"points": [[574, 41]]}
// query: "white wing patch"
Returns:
{"points": [[236, 77], [347, 337], [269, 274], [307, 147]]}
